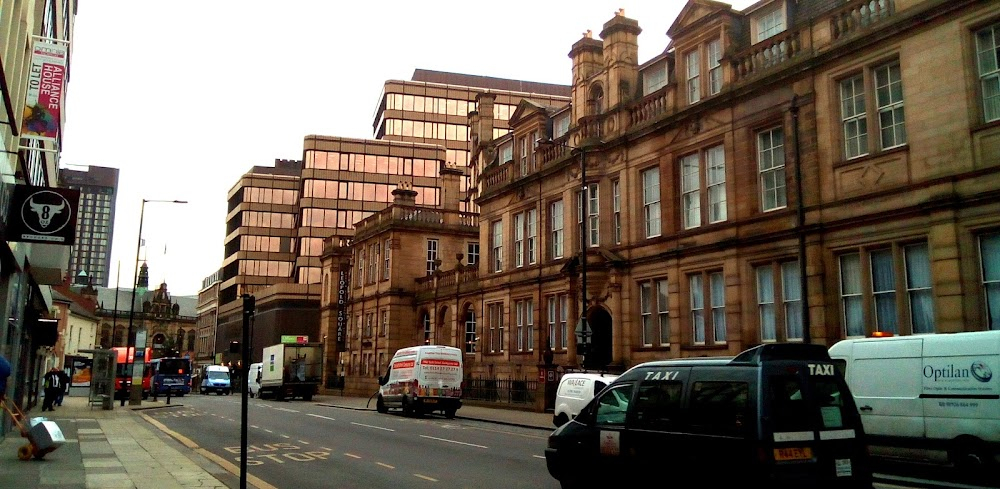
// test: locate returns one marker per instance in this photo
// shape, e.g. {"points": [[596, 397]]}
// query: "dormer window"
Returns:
{"points": [[769, 22], [560, 126], [654, 78], [506, 152]]}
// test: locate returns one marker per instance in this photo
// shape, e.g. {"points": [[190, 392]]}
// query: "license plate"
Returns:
{"points": [[793, 453], [430, 401]]}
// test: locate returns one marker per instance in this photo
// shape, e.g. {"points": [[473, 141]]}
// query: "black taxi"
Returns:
{"points": [[777, 414]]}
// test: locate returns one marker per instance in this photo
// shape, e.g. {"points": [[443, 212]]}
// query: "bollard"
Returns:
{"points": [[168, 395], [124, 393], [156, 392]]}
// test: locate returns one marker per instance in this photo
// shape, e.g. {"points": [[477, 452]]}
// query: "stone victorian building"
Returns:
{"points": [[792, 172], [170, 322]]}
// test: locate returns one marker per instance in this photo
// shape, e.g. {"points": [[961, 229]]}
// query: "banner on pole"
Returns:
{"points": [[43, 102]]}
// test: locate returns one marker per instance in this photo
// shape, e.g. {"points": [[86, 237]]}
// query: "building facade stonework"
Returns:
{"points": [[793, 172]]}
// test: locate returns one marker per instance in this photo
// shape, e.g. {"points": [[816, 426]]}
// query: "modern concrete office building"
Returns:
{"points": [[792, 172], [90, 257], [420, 127]]}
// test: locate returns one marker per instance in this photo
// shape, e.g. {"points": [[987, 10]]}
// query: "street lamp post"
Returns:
{"points": [[139, 355], [582, 331]]}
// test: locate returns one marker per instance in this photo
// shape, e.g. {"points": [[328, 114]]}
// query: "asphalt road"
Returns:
{"points": [[304, 445]]}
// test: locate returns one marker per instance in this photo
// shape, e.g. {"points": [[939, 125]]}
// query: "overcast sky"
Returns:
{"points": [[185, 96]]}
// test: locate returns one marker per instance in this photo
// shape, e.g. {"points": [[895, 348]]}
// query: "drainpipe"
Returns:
{"points": [[801, 222]]}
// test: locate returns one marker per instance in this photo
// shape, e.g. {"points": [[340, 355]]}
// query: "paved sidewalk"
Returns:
{"points": [[120, 448], [105, 449]]}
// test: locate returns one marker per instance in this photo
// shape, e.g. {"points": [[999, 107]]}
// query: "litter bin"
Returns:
{"points": [[107, 403]]}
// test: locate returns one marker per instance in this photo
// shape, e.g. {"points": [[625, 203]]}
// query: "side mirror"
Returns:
{"points": [[382, 380]]}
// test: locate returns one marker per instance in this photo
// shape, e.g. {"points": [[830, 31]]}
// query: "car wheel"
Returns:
{"points": [[971, 456], [380, 406], [407, 407], [450, 413], [560, 419]]}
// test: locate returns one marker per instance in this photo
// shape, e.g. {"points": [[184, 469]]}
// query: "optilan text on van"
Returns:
{"points": [[950, 371]]}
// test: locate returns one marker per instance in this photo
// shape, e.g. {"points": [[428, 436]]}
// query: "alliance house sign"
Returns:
{"points": [[43, 215]]}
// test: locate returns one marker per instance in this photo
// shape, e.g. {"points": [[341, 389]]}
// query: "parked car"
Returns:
{"points": [[575, 390]]}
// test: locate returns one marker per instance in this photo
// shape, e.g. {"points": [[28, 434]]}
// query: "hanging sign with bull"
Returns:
{"points": [[43, 215]]}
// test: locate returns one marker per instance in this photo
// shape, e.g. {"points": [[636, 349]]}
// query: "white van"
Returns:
{"points": [[423, 379], [933, 397], [575, 390], [253, 378], [215, 378]]}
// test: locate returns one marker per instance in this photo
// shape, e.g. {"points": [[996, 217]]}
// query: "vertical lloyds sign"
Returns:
{"points": [[44, 94], [343, 281]]}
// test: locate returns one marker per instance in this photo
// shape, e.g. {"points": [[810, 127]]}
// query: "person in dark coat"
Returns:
{"points": [[64, 384], [4, 374], [53, 386]]}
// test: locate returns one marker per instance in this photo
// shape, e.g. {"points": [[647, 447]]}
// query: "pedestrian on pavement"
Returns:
{"points": [[53, 386], [64, 386], [4, 373]]}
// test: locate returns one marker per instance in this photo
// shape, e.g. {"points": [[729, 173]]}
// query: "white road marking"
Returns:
{"points": [[267, 430], [285, 436], [374, 427], [424, 477], [318, 416], [453, 441], [286, 410], [385, 465], [351, 455], [303, 442], [327, 449], [255, 427], [539, 456]]}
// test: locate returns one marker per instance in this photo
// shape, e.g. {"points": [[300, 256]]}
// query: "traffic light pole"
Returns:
{"points": [[249, 308]]}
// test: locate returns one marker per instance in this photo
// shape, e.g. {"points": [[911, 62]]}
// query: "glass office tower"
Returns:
{"points": [[90, 256]]}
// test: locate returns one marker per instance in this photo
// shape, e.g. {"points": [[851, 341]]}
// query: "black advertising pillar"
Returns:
{"points": [[249, 308]]}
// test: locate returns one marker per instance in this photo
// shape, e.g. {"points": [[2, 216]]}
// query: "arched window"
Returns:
{"points": [[179, 344], [470, 331], [596, 99], [191, 340]]}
